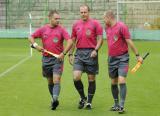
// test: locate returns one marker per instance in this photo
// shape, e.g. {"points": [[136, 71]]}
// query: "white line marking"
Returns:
{"points": [[14, 66]]}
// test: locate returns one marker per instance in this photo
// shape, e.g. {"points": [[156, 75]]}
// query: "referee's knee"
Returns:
{"points": [[121, 80]]}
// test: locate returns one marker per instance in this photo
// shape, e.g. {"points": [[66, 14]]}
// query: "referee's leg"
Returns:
{"points": [[79, 87], [91, 90], [123, 91]]}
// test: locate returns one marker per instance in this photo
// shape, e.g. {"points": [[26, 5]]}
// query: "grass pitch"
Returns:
{"points": [[24, 92]]}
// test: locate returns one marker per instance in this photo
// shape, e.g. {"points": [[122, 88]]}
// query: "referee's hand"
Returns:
{"points": [[139, 59], [71, 59], [93, 53], [61, 57]]}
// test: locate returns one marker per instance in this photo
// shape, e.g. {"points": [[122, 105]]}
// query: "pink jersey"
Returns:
{"points": [[52, 38], [116, 36], [86, 33]]}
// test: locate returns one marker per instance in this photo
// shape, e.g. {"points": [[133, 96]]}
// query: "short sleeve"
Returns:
{"points": [[125, 32], [65, 34], [73, 35], [37, 33], [99, 28]]}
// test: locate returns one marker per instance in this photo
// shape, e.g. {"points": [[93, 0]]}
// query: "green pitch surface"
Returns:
{"points": [[23, 91]]}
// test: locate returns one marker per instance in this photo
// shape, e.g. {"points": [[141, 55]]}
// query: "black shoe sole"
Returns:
{"points": [[54, 105]]}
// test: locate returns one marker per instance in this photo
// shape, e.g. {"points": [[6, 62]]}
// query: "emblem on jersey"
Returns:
{"points": [[88, 32], [55, 40], [115, 38]]}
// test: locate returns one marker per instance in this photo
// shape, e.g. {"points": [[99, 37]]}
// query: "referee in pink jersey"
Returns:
{"points": [[118, 39], [52, 36], [87, 36]]}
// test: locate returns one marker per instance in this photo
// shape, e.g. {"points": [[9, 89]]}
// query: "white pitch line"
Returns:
{"points": [[14, 66]]}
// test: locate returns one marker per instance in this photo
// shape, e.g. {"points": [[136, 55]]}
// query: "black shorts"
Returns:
{"points": [[51, 65], [84, 62], [118, 65]]}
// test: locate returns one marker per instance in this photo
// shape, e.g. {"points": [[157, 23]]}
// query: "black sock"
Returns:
{"points": [[115, 91], [91, 90], [123, 91], [50, 88], [79, 86]]}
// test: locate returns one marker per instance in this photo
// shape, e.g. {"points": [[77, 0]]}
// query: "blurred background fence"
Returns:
{"points": [[143, 19]]}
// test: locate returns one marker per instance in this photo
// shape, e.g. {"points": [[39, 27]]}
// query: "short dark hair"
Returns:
{"points": [[85, 5], [110, 13], [52, 12]]}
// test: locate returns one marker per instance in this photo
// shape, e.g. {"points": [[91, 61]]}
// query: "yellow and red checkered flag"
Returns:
{"points": [[137, 66]]}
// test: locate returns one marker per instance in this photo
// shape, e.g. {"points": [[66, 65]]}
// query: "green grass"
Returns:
{"points": [[23, 91]]}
